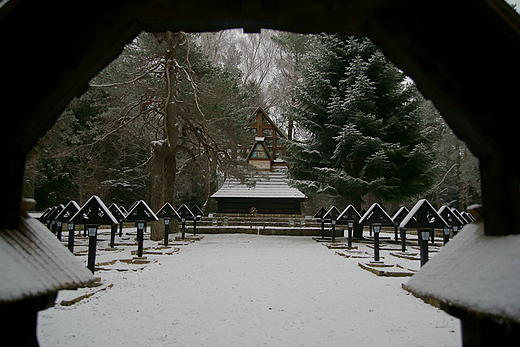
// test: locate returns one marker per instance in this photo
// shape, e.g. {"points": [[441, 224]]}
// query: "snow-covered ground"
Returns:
{"points": [[244, 290]]}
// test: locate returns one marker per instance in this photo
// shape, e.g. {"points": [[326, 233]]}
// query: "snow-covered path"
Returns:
{"points": [[248, 290]]}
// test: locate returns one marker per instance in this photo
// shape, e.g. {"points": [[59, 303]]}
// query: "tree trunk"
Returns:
{"points": [[358, 228], [165, 162]]}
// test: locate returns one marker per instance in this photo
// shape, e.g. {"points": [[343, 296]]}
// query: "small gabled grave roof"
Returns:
{"points": [[184, 212], [423, 215], [450, 217], [43, 217], [469, 218], [117, 212], [123, 210], [55, 212], [140, 211], [94, 212], [459, 216], [332, 214], [133, 205], [167, 211], [349, 214], [400, 214], [196, 210], [68, 211], [321, 212], [376, 215]]}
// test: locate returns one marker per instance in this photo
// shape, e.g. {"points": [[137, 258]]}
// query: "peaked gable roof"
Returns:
{"points": [[140, 211], [376, 215], [349, 214], [94, 211], [268, 132], [167, 211], [68, 211], [423, 215]]}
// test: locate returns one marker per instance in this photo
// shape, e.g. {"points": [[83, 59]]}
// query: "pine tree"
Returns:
{"points": [[364, 122]]}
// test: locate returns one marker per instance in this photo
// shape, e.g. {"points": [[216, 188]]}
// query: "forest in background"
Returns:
{"points": [[167, 121]]}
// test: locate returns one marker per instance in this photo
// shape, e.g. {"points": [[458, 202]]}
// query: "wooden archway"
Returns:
{"points": [[463, 55]]}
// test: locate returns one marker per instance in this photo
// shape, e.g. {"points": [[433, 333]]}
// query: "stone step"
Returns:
{"points": [[295, 231]]}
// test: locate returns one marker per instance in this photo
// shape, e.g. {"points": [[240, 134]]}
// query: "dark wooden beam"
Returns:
{"points": [[500, 195], [63, 46]]}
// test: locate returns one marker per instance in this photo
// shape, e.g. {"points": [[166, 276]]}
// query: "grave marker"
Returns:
{"points": [[398, 217], [140, 213], [451, 218], [197, 214], [349, 216], [332, 216], [52, 218], [65, 216], [93, 214], [319, 216], [376, 217], [425, 218], [120, 213], [167, 212]]}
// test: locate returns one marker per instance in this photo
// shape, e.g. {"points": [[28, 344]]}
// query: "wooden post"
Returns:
{"points": [[70, 241], [349, 242], [403, 239], [92, 240], [141, 225], [377, 229], [58, 229], [423, 244], [166, 230], [113, 231], [500, 196], [12, 173]]}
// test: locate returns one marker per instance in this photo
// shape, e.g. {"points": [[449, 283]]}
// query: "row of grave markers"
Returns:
{"points": [[95, 213], [422, 217]]}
